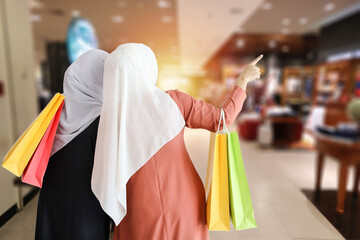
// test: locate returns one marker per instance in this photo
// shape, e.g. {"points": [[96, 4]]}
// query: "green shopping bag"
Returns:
{"points": [[241, 209]]}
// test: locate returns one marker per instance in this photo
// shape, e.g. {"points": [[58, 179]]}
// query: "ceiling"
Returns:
{"points": [[151, 22], [181, 32], [204, 25], [294, 16], [256, 44]]}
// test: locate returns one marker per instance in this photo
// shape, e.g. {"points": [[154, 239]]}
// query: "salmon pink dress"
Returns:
{"points": [[166, 197]]}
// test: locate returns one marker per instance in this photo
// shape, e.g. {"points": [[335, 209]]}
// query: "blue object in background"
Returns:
{"points": [[81, 37]]}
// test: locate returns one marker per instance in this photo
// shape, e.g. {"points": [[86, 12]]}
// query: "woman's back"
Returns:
{"points": [[67, 208]]}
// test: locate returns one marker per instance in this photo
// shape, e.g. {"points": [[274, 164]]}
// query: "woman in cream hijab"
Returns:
{"points": [[142, 175]]}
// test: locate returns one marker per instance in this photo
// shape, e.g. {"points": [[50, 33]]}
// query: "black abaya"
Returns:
{"points": [[67, 208]]}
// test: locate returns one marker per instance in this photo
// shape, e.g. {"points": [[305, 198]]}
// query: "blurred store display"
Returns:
{"points": [[335, 81], [357, 81], [248, 125], [353, 111], [298, 84]]}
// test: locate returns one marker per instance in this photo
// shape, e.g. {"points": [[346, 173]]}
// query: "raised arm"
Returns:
{"points": [[200, 114]]}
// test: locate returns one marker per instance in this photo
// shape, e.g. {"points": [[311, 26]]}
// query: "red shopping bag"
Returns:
{"points": [[36, 167]]}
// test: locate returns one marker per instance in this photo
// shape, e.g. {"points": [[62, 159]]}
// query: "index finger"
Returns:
{"points": [[255, 61]]}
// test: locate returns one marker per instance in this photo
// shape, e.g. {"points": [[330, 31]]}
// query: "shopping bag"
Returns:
{"points": [[20, 154], [217, 206], [35, 170], [210, 164], [241, 209]]}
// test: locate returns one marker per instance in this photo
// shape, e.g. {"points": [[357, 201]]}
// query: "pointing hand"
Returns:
{"points": [[250, 73]]}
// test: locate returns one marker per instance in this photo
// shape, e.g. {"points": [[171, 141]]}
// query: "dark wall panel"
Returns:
{"points": [[341, 36]]}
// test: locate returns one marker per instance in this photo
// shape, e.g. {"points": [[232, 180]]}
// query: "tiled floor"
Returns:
{"points": [[275, 178]]}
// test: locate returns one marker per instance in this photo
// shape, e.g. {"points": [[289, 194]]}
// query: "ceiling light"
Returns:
{"points": [[285, 21], [328, 7], [121, 4], [285, 31], [285, 48], [164, 4], [303, 20], [267, 6], [75, 13], [167, 19], [35, 17], [35, 4], [117, 18], [240, 43], [272, 44]]}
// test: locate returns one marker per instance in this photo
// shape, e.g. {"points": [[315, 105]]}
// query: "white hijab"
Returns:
{"points": [[83, 82], [136, 120]]}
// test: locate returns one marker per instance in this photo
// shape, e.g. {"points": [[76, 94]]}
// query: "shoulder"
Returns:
{"points": [[175, 95]]}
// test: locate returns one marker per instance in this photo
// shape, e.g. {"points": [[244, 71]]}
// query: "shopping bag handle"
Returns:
{"points": [[222, 117]]}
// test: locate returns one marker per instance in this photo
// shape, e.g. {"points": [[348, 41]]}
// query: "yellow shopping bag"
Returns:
{"points": [[20, 154], [217, 188]]}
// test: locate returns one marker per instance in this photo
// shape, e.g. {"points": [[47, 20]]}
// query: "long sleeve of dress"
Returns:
{"points": [[200, 114]]}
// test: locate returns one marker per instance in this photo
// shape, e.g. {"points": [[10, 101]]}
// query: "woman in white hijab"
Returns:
{"points": [[67, 208], [142, 175]]}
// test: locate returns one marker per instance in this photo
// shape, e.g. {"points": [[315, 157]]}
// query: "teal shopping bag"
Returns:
{"points": [[241, 209]]}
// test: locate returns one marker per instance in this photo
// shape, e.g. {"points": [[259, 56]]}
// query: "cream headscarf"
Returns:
{"points": [[136, 120]]}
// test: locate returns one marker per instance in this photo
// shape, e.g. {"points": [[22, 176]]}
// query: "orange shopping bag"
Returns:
{"points": [[35, 170], [217, 187], [20, 154]]}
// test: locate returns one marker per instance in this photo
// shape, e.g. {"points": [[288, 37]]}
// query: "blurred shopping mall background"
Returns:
{"points": [[300, 125]]}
